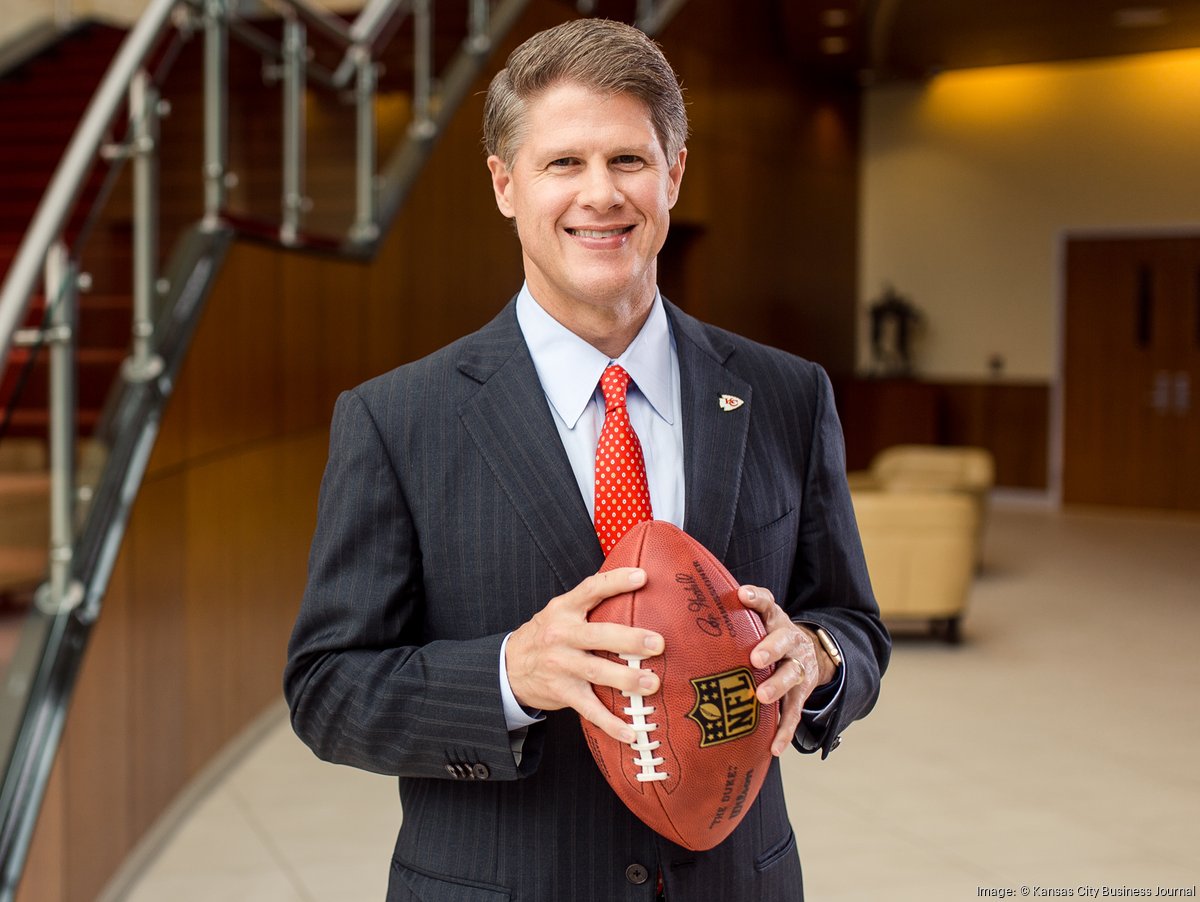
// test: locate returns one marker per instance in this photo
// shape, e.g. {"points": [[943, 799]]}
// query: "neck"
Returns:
{"points": [[613, 338], [608, 326]]}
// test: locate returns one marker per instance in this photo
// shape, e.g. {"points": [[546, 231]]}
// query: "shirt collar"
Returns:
{"points": [[569, 368]]}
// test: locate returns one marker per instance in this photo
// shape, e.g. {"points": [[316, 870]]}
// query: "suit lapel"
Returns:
{"points": [[510, 422], [714, 440]]}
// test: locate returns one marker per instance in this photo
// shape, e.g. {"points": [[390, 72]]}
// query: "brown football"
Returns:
{"points": [[703, 741]]}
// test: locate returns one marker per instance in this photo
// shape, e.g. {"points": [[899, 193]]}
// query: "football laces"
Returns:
{"points": [[643, 743]]}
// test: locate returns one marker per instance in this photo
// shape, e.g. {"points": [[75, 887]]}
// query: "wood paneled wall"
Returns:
{"points": [[764, 238], [1012, 420], [190, 645]]}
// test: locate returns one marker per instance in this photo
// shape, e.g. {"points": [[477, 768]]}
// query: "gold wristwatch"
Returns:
{"points": [[830, 646]]}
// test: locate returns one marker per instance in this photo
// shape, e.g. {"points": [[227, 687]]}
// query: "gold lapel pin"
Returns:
{"points": [[729, 402]]}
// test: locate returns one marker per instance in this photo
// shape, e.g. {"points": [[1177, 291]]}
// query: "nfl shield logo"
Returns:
{"points": [[726, 706]]}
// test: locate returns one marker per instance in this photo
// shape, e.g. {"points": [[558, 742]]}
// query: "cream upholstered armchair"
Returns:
{"points": [[962, 469], [920, 551]]}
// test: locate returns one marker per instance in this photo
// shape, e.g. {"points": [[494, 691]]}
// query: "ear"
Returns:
{"points": [[675, 175], [502, 185]]}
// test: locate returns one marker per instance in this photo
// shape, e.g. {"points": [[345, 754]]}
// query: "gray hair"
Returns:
{"points": [[602, 55]]}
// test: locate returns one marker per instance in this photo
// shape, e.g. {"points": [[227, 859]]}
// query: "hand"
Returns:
{"points": [[550, 661], [804, 663]]}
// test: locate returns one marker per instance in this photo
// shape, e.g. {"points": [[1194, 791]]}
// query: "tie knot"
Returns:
{"points": [[614, 383]]}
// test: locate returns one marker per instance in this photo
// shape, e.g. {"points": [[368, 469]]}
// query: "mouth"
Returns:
{"points": [[600, 233]]}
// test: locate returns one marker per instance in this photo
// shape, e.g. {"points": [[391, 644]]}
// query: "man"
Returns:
{"points": [[443, 635]]}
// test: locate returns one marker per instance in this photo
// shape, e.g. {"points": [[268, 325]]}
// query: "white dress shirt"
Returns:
{"points": [[569, 369]]}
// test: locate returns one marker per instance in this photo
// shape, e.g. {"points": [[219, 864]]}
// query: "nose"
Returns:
{"points": [[598, 189]]}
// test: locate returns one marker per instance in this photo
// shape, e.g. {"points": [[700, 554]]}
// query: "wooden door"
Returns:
{"points": [[1131, 427]]}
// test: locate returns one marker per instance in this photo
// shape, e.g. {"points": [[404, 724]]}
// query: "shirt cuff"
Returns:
{"points": [[820, 705]]}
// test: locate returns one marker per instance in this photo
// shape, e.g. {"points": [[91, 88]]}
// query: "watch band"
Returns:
{"points": [[830, 646]]}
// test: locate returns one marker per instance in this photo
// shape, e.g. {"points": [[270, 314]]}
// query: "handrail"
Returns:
{"points": [[376, 17], [68, 179], [52, 213], [329, 25]]}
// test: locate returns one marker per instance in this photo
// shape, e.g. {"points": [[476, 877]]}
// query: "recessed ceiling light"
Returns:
{"points": [[1141, 17], [835, 18], [834, 44]]}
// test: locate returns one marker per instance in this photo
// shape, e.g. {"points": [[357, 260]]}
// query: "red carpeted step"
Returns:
{"points": [[36, 423], [48, 97], [97, 368], [105, 321]]}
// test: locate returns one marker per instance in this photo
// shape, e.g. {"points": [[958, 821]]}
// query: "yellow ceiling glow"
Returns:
{"points": [[1001, 98]]}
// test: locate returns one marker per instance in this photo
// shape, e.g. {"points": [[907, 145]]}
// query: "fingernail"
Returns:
{"points": [[637, 577], [627, 735], [760, 658], [751, 594], [653, 643], [647, 682]]}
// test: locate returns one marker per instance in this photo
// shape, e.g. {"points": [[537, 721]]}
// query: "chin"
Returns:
{"points": [[611, 290]]}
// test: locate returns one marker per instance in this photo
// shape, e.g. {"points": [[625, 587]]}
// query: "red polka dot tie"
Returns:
{"points": [[622, 495]]}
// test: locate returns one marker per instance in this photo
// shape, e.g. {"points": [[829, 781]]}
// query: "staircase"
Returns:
{"points": [[43, 101]]}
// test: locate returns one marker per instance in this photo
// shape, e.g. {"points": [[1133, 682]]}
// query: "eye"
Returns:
{"points": [[563, 162], [628, 161]]}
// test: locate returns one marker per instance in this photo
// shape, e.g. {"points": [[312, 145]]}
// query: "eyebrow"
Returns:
{"points": [[640, 150]]}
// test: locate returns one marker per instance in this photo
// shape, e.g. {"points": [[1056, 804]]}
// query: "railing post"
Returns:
{"points": [[216, 84], [423, 127], [295, 57], [143, 364], [653, 15], [479, 42], [62, 297], [365, 228]]}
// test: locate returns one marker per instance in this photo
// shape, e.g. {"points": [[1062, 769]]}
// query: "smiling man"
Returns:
{"points": [[591, 190], [467, 506]]}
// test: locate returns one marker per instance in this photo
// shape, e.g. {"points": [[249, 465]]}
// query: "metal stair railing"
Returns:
{"points": [[87, 522]]}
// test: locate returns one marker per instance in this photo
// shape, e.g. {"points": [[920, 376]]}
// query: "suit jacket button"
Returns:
{"points": [[837, 740], [480, 772], [451, 770], [637, 874]]}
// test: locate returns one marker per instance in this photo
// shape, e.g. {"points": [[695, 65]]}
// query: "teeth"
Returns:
{"points": [[594, 233]]}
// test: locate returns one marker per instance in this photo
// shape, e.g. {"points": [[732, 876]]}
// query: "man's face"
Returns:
{"points": [[590, 189]]}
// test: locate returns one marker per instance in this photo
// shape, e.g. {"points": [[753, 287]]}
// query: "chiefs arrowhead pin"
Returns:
{"points": [[729, 402]]}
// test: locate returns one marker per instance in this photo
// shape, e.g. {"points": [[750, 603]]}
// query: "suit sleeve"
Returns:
{"points": [[830, 585], [363, 687]]}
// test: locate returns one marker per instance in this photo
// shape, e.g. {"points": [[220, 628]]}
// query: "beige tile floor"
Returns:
{"points": [[1058, 746]]}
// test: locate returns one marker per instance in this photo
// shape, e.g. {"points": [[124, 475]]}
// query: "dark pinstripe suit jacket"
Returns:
{"points": [[449, 515]]}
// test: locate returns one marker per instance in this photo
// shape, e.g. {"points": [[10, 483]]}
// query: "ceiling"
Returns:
{"points": [[884, 40]]}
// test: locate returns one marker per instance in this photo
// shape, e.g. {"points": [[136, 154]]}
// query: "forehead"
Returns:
{"points": [[569, 114]]}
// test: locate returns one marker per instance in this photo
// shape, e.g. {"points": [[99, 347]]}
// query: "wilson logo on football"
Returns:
{"points": [[726, 706]]}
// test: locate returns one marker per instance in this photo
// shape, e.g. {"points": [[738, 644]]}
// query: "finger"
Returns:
{"points": [[777, 645], [590, 709], [762, 602], [789, 720], [605, 584], [623, 676], [790, 674], [620, 639], [756, 597]]}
